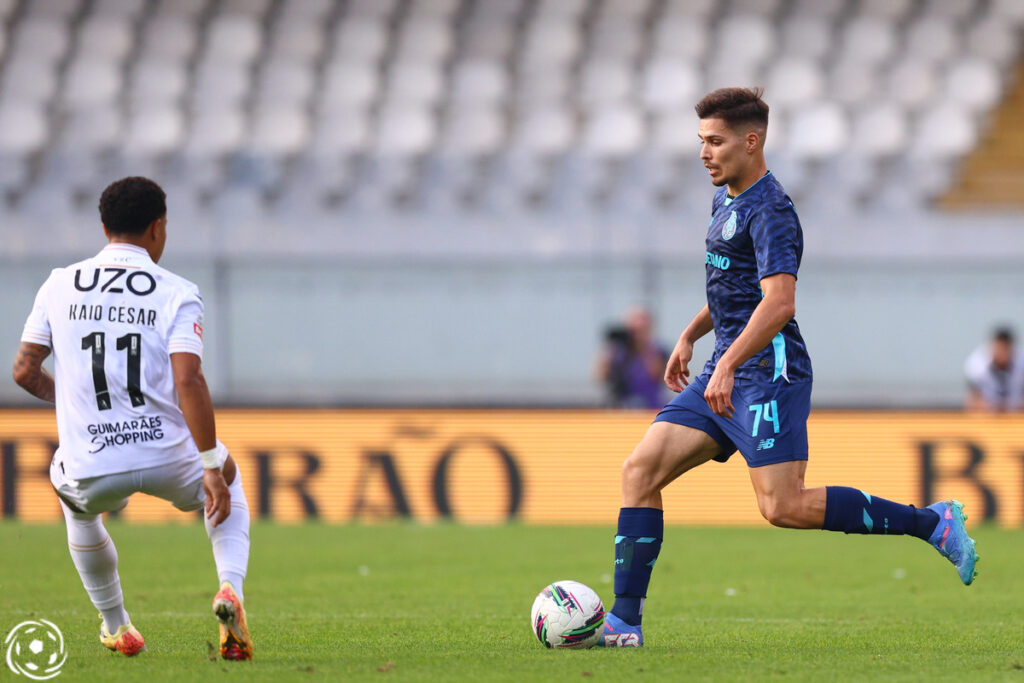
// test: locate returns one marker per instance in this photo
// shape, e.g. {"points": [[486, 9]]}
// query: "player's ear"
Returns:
{"points": [[105, 231], [753, 141]]}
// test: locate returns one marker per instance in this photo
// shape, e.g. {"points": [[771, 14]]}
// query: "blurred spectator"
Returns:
{"points": [[632, 364], [995, 375]]}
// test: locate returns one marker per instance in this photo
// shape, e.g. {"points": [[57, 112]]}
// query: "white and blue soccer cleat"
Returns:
{"points": [[618, 633], [951, 540]]}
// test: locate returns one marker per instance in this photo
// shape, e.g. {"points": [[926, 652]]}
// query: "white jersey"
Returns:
{"points": [[1003, 389], [112, 321]]}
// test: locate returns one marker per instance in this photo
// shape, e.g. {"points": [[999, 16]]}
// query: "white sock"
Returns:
{"points": [[230, 539], [95, 558]]}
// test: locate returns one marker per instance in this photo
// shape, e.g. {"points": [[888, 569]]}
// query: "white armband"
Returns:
{"points": [[210, 458]]}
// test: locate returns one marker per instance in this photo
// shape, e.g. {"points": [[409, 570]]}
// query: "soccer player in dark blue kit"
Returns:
{"points": [[754, 394]]}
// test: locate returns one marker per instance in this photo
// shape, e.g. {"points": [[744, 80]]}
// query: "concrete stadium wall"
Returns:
{"points": [[881, 333]]}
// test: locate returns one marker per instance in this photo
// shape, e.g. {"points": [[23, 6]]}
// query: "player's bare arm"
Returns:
{"points": [[30, 374], [678, 368], [197, 407], [769, 317]]}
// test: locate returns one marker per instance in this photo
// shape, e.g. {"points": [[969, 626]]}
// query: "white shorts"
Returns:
{"points": [[179, 482]]}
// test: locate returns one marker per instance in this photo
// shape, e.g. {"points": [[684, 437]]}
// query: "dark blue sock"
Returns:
{"points": [[637, 545], [854, 512]]}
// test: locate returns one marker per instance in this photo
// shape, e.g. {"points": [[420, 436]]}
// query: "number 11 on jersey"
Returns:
{"points": [[132, 343]]}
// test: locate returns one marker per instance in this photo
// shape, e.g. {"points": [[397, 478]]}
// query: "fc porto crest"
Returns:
{"points": [[729, 229]]}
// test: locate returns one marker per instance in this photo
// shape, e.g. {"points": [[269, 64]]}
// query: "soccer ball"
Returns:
{"points": [[567, 614]]}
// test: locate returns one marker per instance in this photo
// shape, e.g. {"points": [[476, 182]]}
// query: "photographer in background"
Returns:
{"points": [[632, 363], [995, 375]]}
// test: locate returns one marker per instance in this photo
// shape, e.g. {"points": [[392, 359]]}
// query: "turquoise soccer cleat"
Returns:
{"points": [[618, 633], [950, 538]]}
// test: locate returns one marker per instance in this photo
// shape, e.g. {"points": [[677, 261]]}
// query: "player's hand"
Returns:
{"points": [[218, 498], [678, 368], [718, 393]]}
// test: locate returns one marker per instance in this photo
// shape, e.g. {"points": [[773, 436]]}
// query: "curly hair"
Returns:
{"points": [[130, 205], [735, 106]]}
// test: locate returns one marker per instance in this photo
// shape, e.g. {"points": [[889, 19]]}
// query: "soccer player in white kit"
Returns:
{"points": [[133, 410]]}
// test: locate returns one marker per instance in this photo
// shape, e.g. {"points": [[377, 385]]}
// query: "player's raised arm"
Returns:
{"points": [[197, 408], [678, 368], [29, 373]]}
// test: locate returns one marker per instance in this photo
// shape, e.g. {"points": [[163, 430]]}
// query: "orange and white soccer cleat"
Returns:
{"points": [[235, 643], [127, 640]]}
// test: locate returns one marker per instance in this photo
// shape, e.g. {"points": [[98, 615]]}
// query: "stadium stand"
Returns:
{"points": [[413, 115]]}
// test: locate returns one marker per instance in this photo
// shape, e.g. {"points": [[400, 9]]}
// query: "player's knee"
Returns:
{"points": [[775, 511], [638, 476]]}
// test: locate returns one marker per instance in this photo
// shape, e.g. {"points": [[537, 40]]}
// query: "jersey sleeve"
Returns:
{"points": [[186, 333], [778, 243], [37, 327]]}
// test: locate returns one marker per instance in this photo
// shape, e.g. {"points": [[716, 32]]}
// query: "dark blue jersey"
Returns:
{"points": [[750, 237]]}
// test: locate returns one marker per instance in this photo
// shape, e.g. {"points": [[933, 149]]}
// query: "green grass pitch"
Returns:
{"points": [[445, 602]]}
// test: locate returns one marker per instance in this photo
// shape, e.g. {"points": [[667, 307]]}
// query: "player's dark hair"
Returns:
{"points": [[735, 106], [1003, 334], [130, 205]]}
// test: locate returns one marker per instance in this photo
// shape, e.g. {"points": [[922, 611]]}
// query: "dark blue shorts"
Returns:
{"points": [[769, 425]]}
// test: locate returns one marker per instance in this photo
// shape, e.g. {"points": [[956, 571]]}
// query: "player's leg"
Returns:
{"points": [[230, 541], [94, 554], [666, 451], [230, 538], [785, 502], [182, 484]]}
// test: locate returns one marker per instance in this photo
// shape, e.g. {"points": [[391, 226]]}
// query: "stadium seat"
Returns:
{"points": [[682, 38], [808, 36], [347, 87], [90, 82], [299, 39], [154, 80], [603, 82], [153, 131], [943, 132], [820, 130], [612, 132], [214, 132], [973, 82], [23, 127], [360, 39], [894, 10], [105, 37], [424, 39], [414, 83], [233, 39], [793, 81], [43, 39], [478, 82], [27, 80], [746, 40], [933, 39], [404, 130], [911, 83], [62, 10], [879, 129], [278, 129], [544, 131], [285, 83], [995, 40], [669, 84], [472, 131], [168, 37], [220, 83], [1008, 10], [867, 39], [823, 9]]}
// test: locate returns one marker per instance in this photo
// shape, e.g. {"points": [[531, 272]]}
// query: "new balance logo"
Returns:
{"points": [[766, 444]]}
